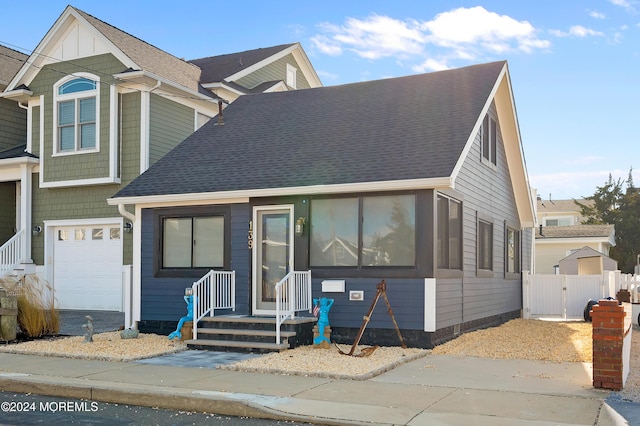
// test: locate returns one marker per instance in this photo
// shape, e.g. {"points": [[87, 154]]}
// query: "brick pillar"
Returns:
{"points": [[608, 336]]}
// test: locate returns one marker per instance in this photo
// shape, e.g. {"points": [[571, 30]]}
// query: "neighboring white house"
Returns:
{"points": [[560, 233]]}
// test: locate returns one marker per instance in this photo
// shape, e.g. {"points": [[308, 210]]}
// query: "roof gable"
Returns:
{"points": [[408, 132], [76, 34], [224, 67], [234, 66]]}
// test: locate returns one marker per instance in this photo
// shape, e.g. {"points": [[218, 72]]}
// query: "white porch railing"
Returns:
{"points": [[11, 253], [293, 294], [216, 290]]}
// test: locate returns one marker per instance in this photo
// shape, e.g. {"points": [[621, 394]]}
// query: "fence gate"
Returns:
{"points": [[564, 296]]}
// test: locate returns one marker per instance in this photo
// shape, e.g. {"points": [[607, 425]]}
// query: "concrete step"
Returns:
{"points": [[240, 332], [236, 346]]}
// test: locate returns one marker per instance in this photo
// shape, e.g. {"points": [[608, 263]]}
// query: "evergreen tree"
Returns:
{"points": [[619, 206]]}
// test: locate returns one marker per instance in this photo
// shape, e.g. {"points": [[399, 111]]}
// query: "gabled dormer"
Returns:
{"points": [[270, 69]]}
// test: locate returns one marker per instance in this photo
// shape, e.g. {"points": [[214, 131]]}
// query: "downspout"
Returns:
{"points": [[145, 107], [124, 213], [129, 296]]}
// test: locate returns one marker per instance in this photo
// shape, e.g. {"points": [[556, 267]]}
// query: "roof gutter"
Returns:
{"points": [[442, 183]]}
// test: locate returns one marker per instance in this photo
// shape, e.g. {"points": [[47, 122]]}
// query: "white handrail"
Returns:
{"points": [[215, 290], [11, 253], [293, 294]]}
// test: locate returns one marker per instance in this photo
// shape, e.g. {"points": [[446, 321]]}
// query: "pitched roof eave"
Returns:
{"points": [[430, 183], [502, 94], [295, 49], [140, 76]]}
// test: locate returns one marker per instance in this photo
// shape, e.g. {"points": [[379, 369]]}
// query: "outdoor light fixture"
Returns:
{"points": [[37, 230], [299, 228], [128, 227], [188, 291]]}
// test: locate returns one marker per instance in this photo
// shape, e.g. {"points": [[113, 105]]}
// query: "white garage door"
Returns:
{"points": [[87, 271]]}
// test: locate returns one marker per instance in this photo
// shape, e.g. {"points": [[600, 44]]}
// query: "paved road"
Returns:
{"points": [[28, 409]]}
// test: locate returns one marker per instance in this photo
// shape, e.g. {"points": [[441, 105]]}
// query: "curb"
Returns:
{"points": [[177, 399]]}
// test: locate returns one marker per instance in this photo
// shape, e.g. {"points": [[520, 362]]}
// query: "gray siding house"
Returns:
{"points": [[419, 181]]}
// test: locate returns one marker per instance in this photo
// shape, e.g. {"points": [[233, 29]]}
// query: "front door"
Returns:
{"points": [[272, 254]]}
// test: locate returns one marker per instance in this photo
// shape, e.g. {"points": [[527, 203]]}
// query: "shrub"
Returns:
{"points": [[37, 315]]}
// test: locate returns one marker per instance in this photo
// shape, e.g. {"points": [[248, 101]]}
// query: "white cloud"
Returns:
{"points": [[326, 45], [596, 15], [374, 37], [589, 159], [577, 31], [480, 28], [621, 3], [463, 33], [626, 4], [430, 65]]}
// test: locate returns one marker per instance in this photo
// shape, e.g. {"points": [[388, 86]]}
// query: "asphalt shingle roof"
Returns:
{"points": [[147, 56], [549, 206], [218, 68], [10, 62], [575, 231], [411, 127], [16, 152]]}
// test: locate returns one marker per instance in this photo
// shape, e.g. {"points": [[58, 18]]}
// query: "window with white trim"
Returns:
{"points": [[291, 76], [449, 234], [488, 137], [512, 248], [76, 112], [485, 245]]}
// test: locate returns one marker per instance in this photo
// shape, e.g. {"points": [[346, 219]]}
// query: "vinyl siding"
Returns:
{"points": [[80, 166], [406, 297], [169, 124], [488, 192], [241, 256], [84, 202], [162, 298], [276, 71], [13, 131]]}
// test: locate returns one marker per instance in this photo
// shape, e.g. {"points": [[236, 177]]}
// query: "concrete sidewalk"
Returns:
{"points": [[435, 390]]}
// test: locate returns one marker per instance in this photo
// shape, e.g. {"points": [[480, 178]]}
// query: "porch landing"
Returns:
{"points": [[240, 333]]}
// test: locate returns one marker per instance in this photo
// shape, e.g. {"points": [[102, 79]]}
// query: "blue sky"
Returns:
{"points": [[574, 64]]}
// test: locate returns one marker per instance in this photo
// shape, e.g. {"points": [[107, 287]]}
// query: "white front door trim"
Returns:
{"points": [[257, 241]]}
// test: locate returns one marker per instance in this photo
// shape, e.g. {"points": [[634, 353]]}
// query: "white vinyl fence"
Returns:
{"points": [[565, 296]]}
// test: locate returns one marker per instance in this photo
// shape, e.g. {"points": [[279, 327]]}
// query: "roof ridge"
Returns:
{"points": [[240, 53], [85, 14]]}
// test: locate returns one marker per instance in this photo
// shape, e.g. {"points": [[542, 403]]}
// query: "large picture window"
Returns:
{"points": [[373, 231], [193, 242], [512, 251], [485, 245], [76, 115], [449, 241]]}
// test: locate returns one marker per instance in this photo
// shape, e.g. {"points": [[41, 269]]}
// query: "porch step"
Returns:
{"points": [[239, 333], [236, 346]]}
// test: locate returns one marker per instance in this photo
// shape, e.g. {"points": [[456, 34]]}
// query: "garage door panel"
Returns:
{"points": [[87, 272]]}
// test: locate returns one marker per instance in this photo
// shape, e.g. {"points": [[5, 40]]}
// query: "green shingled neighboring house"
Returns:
{"points": [[93, 107]]}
